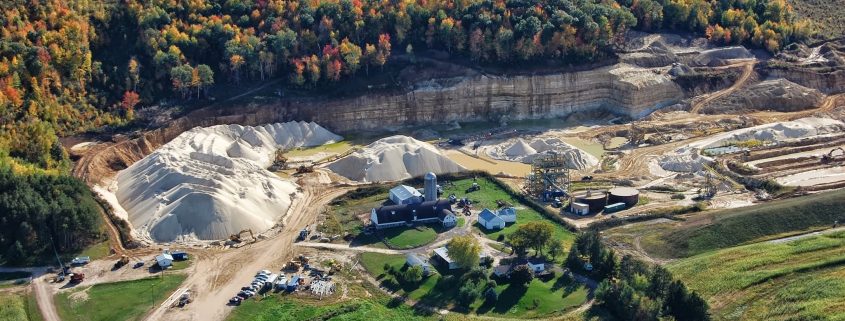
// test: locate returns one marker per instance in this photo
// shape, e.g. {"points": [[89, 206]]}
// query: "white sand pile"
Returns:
{"points": [[518, 150], [685, 159], [211, 182], [393, 158], [783, 131]]}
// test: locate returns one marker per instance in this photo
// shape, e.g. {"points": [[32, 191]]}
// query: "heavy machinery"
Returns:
{"points": [[121, 262], [237, 237], [305, 169], [303, 234], [473, 188], [833, 156], [280, 161], [77, 277]]}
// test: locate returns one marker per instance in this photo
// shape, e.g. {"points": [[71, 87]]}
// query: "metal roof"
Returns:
{"points": [[488, 215], [443, 253], [509, 211], [404, 192]]}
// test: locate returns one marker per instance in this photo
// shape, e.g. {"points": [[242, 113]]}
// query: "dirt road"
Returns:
{"points": [[44, 297], [217, 277], [703, 100]]}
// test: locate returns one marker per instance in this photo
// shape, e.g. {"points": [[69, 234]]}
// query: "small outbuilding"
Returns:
{"points": [[405, 195], [164, 260], [179, 255], [579, 208], [442, 254], [412, 260], [490, 220]]}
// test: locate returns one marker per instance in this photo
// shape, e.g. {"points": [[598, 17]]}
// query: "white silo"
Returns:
{"points": [[430, 187]]}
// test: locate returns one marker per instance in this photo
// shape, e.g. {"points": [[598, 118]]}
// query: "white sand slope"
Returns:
{"points": [[782, 131], [518, 150], [211, 182], [685, 159], [393, 158]]}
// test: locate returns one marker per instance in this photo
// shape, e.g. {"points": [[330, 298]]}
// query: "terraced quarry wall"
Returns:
{"points": [[621, 89]]}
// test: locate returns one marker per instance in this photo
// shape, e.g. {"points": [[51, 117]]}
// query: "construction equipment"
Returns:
{"points": [[237, 237], [280, 161], [305, 169], [830, 157], [185, 298], [473, 188], [121, 262], [303, 234], [77, 277]]}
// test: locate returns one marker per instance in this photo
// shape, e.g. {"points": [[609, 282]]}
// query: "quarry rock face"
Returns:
{"points": [[620, 89]]}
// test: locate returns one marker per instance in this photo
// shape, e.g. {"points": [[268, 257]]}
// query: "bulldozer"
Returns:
{"points": [[121, 262], [237, 237]]}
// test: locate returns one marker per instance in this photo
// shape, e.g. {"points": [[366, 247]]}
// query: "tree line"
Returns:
{"points": [[630, 289], [69, 66], [41, 212]]}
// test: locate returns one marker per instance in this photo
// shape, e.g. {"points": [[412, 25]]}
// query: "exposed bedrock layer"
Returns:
{"points": [[620, 89]]}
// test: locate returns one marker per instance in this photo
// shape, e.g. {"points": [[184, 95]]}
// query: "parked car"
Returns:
{"points": [[138, 264], [243, 294], [245, 288], [236, 300]]}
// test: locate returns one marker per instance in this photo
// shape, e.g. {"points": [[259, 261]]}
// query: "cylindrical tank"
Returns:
{"points": [[628, 195], [430, 187], [597, 200]]}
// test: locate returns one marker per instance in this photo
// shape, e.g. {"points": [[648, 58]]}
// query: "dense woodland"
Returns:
{"points": [[68, 66], [38, 209]]}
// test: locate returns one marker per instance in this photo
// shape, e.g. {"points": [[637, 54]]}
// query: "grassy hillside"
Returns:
{"points": [[828, 15], [732, 227], [799, 280], [18, 307]]}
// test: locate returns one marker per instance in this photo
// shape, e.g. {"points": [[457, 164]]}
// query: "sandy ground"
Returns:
{"points": [[216, 278], [815, 152], [814, 177]]}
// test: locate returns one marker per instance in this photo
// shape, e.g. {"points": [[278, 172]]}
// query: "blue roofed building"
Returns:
{"points": [[490, 220]]}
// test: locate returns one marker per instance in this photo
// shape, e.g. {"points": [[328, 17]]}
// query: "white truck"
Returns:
{"points": [[271, 280]]}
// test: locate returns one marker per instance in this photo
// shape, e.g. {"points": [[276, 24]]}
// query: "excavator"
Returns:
{"points": [[237, 237], [830, 157], [120, 263]]}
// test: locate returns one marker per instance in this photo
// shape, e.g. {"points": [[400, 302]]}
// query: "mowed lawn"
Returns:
{"points": [[487, 197], [287, 308], [409, 237], [798, 280], [537, 300], [127, 300]]}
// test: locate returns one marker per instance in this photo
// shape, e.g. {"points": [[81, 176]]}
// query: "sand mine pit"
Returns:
{"points": [[520, 150], [211, 182], [393, 158]]}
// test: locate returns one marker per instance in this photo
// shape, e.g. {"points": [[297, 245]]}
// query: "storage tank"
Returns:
{"points": [[628, 195], [596, 200], [430, 187]]}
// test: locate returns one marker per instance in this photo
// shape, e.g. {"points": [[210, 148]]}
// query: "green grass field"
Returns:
{"points": [[19, 307], [537, 300], [798, 280], [486, 198], [408, 238], [286, 308], [127, 300], [726, 228]]}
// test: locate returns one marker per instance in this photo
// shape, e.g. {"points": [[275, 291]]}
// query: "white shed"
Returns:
{"points": [[508, 214], [490, 220], [164, 260], [404, 194], [580, 208]]}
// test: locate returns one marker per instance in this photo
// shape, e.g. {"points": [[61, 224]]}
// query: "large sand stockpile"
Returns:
{"points": [[211, 182], [393, 158], [783, 131], [518, 150], [685, 159]]}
